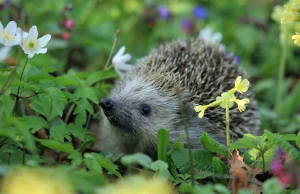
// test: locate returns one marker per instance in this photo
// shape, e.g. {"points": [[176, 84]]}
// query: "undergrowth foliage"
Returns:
{"points": [[47, 118]]}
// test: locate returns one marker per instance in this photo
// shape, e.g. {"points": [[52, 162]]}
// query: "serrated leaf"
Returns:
{"points": [[59, 133], [57, 146], [105, 163], [212, 145], [49, 104], [76, 158], [254, 156], [248, 141], [162, 144], [35, 123], [86, 92], [135, 159], [286, 146], [201, 160]]}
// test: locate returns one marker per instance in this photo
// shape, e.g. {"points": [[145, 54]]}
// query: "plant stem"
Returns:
{"points": [[112, 49], [227, 125], [11, 75], [263, 162], [18, 92], [281, 71]]}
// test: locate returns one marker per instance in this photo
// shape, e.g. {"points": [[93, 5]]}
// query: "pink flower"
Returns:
{"points": [[66, 36], [69, 24], [285, 178]]}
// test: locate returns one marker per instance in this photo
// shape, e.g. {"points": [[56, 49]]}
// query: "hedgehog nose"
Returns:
{"points": [[106, 103]]}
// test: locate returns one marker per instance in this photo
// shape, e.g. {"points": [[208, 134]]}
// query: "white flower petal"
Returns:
{"points": [[44, 40], [205, 33], [1, 26], [121, 51], [30, 55], [33, 33], [217, 37], [11, 27], [125, 58], [4, 51], [20, 32], [42, 50]]}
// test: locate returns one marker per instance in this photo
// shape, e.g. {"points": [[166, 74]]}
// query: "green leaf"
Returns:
{"points": [[161, 169], [291, 104], [202, 160], [158, 165], [6, 104], [162, 144], [86, 92], [80, 132], [272, 186], [104, 162], [254, 156], [212, 145], [76, 158], [298, 140], [286, 146], [49, 104], [135, 159], [59, 133], [218, 166], [35, 123], [248, 141], [100, 75], [57, 146]]}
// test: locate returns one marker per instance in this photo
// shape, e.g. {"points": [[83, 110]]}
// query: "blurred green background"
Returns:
{"points": [[83, 34]]}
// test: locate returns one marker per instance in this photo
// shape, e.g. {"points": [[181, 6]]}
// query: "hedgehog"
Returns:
{"points": [[161, 92]]}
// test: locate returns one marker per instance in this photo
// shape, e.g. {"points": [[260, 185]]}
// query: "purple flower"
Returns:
{"points": [[163, 12], [200, 12], [276, 167], [187, 24], [237, 59]]}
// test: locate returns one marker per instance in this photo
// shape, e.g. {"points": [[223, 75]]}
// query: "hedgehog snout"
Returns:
{"points": [[106, 103]]}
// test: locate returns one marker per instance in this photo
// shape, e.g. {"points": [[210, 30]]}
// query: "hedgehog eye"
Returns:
{"points": [[146, 110]]}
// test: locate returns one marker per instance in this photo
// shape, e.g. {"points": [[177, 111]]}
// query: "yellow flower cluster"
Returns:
{"points": [[290, 12], [137, 185], [33, 181], [227, 99]]}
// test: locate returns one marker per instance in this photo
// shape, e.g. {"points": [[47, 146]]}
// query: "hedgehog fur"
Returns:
{"points": [[169, 82]]}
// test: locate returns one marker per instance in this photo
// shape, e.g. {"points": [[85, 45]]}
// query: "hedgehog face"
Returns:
{"points": [[139, 107]]}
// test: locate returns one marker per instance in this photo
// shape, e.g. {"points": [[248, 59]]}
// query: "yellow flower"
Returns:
{"points": [[201, 109], [296, 39], [241, 103], [137, 185], [29, 181], [290, 13], [241, 85], [226, 99]]}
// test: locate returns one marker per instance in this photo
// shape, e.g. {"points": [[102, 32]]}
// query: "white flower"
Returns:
{"points": [[4, 51], [31, 45], [209, 37], [9, 35], [120, 61]]}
